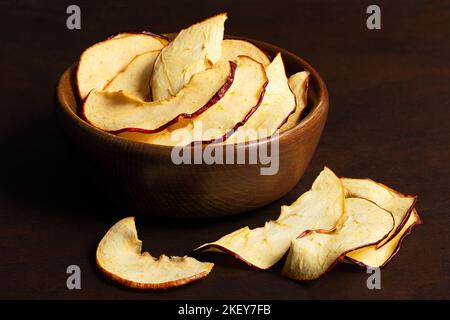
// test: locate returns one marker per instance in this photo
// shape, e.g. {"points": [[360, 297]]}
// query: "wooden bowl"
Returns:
{"points": [[141, 178]]}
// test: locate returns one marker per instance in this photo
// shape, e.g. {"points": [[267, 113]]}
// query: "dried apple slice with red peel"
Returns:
{"points": [[398, 204], [117, 112], [101, 62], [135, 78], [277, 105], [232, 48], [120, 258], [299, 85], [240, 101], [371, 256], [193, 50], [321, 208], [313, 254], [162, 38]]}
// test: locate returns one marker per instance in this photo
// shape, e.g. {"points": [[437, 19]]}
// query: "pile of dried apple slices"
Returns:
{"points": [[356, 220], [144, 88], [337, 220]]}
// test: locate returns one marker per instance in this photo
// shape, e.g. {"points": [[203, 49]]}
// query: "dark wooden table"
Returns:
{"points": [[389, 120]]}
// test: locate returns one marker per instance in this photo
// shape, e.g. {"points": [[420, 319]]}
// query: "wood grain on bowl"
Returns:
{"points": [[142, 177]]}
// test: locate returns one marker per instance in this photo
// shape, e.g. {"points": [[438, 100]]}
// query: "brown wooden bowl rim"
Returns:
{"points": [[319, 109]]}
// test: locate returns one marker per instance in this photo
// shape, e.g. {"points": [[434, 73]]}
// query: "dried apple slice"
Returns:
{"points": [[134, 80], [116, 112], [163, 38], [398, 204], [240, 101], [120, 258], [372, 256], [322, 208], [101, 62], [193, 50], [299, 85], [232, 48], [277, 105], [315, 253]]}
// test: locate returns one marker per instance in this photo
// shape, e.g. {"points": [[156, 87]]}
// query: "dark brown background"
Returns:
{"points": [[389, 120]]}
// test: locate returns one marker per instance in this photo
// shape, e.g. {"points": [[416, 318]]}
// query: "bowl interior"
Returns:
{"points": [[317, 92]]}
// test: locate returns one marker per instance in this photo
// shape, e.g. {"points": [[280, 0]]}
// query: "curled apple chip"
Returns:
{"points": [[117, 112], [232, 48], [193, 50], [315, 253], [371, 256], [398, 204], [120, 258], [101, 62], [278, 103], [134, 80], [163, 38], [239, 102], [299, 85], [321, 208]]}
